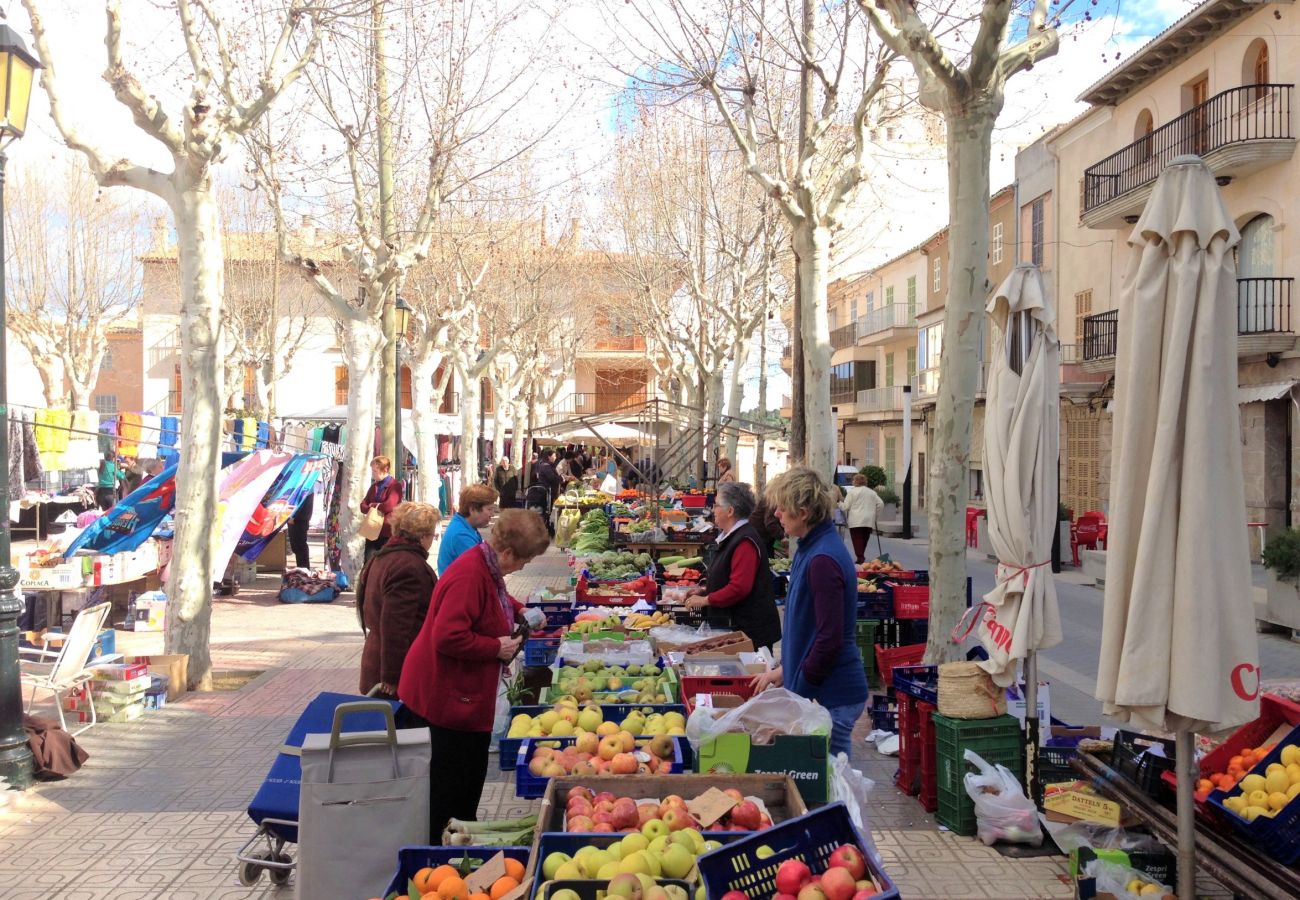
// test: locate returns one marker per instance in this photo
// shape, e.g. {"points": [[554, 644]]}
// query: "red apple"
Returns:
{"points": [[791, 876], [647, 811], [838, 883], [785, 897], [584, 793], [747, 815], [735, 895], [604, 806], [764, 821], [624, 813], [849, 857], [580, 824], [580, 806], [604, 796], [604, 817], [676, 819], [603, 827], [735, 794], [812, 892], [865, 894]]}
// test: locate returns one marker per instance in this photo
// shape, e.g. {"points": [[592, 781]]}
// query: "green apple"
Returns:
{"points": [[677, 861], [625, 886], [764, 852], [697, 839], [592, 863], [660, 844], [565, 894], [570, 871], [654, 828], [711, 845], [656, 868], [584, 852], [635, 863], [634, 842], [552, 864]]}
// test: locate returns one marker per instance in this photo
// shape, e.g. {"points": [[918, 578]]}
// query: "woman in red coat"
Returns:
{"points": [[384, 494], [393, 595], [454, 668]]}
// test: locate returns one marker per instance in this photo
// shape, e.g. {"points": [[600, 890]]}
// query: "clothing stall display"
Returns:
{"points": [[150, 430], [52, 437], [168, 437], [129, 429], [83, 448], [263, 435], [24, 456]]}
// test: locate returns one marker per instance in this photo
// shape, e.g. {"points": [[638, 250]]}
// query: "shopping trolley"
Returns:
{"points": [[275, 805]]}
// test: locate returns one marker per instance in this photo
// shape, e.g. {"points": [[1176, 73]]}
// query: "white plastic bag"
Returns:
{"points": [[772, 712], [1002, 811], [854, 789], [1116, 879]]}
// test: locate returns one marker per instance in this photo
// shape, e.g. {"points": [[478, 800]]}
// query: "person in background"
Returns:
{"points": [[577, 467], [384, 494], [819, 658], [153, 468], [393, 594], [299, 524], [475, 510], [725, 471], [453, 670], [767, 525], [132, 474], [860, 505], [505, 478], [106, 486], [738, 589]]}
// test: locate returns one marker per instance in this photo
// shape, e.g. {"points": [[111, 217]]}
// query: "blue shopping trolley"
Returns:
{"points": [[275, 805]]}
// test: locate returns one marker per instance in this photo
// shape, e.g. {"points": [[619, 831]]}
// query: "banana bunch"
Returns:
{"points": [[591, 625], [643, 622]]}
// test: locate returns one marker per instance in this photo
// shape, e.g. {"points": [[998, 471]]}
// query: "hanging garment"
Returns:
{"points": [[235, 428], [129, 428], [249, 440], [333, 546], [15, 459], [108, 437], [83, 447], [52, 438], [331, 434], [317, 435], [150, 428], [32, 470], [168, 437], [263, 435], [296, 437]]}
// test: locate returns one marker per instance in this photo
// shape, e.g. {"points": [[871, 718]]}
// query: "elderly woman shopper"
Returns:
{"points": [[737, 593], [455, 666], [725, 471], [474, 511], [861, 505], [384, 494], [819, 658], [393, 593]]}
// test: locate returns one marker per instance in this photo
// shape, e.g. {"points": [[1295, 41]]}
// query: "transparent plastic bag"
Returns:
{"points": [[772, 712], [1116, 879], [854, 789], [1103, 837], [1002, 811]]}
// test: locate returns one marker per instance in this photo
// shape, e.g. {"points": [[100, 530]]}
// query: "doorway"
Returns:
{"points": [[1196, 136]]}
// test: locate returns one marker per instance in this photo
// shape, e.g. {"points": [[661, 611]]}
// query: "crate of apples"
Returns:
{"points": [[588, 811], [845, 878]]}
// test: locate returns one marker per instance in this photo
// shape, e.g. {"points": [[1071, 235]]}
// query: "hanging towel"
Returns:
{"points": [[263, 435], [168, 431], [235, 428], [129, 429], [52, 438], [317, 435], [151, 426], [248, 434], [83, 447]]}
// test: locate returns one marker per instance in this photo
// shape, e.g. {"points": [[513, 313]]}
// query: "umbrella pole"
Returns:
{"points": [[1184, 764]]}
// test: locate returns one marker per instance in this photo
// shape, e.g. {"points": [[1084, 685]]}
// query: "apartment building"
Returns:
{"points": [[1218, 83]]}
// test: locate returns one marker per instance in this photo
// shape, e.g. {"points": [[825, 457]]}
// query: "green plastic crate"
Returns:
{"points": [[866, 640], [997, 741]]}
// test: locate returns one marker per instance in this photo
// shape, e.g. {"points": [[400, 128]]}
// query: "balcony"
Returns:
{"points": [[881, 400], [1264, 316], [882, 325], [625, 343], [1100, 338], [166, 349], [845, 336], [1237, 132], [592, 404], [925, 386]]}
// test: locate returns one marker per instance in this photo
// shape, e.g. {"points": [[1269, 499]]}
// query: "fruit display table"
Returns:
{"points": [[659, 549]]}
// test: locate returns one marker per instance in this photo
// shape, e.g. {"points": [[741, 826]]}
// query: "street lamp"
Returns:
{"points": [[401, 322], [17, 68]]}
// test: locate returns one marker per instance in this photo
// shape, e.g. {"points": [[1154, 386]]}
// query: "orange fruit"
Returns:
{"points": [[515, 869], [1204, 785], [479, 896], [502, 886], [453, 888], [427, 880], [1237, 761]]}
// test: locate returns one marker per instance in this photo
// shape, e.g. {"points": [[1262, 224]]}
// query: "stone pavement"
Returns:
{"points": [[159, 809]]}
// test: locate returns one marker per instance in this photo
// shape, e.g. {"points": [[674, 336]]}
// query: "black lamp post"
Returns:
{"points": [[17, 69], [401, 322]]}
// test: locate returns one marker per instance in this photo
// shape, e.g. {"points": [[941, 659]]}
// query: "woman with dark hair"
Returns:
{"points": [[384, 494]]}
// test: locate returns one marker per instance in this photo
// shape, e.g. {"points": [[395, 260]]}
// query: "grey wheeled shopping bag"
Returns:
{"points": [[364, 795]]}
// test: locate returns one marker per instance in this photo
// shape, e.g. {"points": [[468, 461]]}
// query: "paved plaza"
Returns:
{"points": [[159, 809]]}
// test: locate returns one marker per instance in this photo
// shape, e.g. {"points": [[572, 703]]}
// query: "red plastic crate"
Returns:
{"points": [[909, 745], [694, 501], [888, 657], [911, 601], [737, 685], [929, 795], [1273, 712]]}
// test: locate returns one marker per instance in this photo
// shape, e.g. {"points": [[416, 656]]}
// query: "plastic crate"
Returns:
{"points": [[887, 658], [996, 740], [866, 641], [595, 889], [911, 601], [900, 632], [607, 698], [508, 747], [812, 838], [737, 685], [1132, 759], [1054, 767], [921, 682], [466, 859], [532, 787], [929, 783], [559, 613], [1278, 836], [694, 501], [876, 604], [541, 651], [883, 712], [909, 746]]}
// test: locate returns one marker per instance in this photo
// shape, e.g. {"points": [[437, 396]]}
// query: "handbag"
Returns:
{"points": [[372, 525], [362, 794]]}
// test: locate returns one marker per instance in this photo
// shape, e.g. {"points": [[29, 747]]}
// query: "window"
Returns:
{"points": [[853, 310], [1082, 459], [1259, 303], [1142, 129], [1082, 309], [871, 450], [920, 347], [340, 385], [1037, 223], [106, 363], [995, 248], [934, 346], [842, 385], [106, 404], [911, 297], [911, 363], [889, 464], [889, 370], [1255, 67], [871, 299], [976, 484], [938, 274], [889, 296]]}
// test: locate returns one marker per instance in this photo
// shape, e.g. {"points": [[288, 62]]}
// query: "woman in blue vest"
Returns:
{"points": [[819, 659]]}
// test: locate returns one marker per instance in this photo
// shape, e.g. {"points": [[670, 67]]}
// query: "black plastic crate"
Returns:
{"points": [[1054, 768], [1133, 758], [883, 712]]}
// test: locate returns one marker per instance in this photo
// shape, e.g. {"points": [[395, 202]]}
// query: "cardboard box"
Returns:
{"points": [[728, 644], [148, 614], [1077, 802], [174, 667], [63, 577], [274, 556], [804, 758], [124, 671]]}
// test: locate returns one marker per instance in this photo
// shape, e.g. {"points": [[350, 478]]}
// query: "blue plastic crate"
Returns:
{"points": [[883, 713], [921, 682], [563, 842], [508, 747], [876, 605], [530, 787], [541, 651], [1278, 836], [558, 612], [412, 859], [595, 889], [812, 838]]}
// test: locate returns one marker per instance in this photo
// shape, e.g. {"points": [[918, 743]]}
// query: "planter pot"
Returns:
{"points": [[889, 513], [1283, 607]]}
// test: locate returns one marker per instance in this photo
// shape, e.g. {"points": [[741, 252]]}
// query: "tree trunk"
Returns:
{"points": [[363, 341], [471, 393], [735, 400], [50, 369], [760, 464], [189, 588], [813, 244], [424, 400], [969, 136], [713, 410], [390, 400], [519, 434], [79, 392]]}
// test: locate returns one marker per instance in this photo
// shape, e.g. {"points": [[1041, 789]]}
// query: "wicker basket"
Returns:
{"points": [[967, 692]]}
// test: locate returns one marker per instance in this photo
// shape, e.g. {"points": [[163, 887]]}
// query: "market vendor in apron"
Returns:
{"points": [[737, 592]]}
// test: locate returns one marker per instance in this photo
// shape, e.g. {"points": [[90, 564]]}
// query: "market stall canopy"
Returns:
{"points": [[1021, 444], [441, 423], [605, 431], [1257, 393], [1178, 650]]}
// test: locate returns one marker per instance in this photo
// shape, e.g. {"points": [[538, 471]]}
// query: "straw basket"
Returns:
{"points": [[967, 692]]}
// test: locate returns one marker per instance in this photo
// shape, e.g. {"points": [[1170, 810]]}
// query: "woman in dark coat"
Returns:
{"points": [[384, 494], [454, 668], [393, 595]]}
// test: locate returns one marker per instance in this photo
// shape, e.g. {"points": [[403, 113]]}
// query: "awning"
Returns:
{"points": [[1257, 393]]}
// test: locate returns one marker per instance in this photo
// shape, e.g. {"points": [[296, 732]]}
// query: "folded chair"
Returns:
{"points": [[61, 672]]}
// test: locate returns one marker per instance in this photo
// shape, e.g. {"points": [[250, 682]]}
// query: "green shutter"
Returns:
{"points": [[911, 297], [889, 370], [911, 363]]}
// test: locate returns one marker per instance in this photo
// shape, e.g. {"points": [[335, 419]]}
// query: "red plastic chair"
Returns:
{"points": [[1088, 531], [973, 514]]}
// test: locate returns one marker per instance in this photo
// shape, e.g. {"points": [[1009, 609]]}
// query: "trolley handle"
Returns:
{"points": [[338, 740]]}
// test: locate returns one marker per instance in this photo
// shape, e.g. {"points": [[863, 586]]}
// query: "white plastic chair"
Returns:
{"points": [[60, 673]]}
